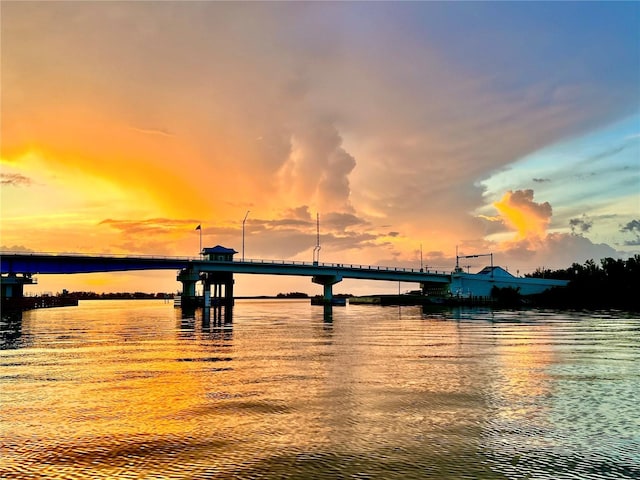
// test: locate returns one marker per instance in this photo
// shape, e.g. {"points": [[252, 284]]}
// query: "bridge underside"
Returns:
{"points": [[435, 289], [67, 264]]}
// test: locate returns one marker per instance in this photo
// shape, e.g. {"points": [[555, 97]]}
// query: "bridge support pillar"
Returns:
{"points": [[12, 295], [222, 294], [12, 285], [327, 281], [189, 278]]}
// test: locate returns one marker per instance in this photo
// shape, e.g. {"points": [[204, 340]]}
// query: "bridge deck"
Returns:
{"points": [[43, 263]]}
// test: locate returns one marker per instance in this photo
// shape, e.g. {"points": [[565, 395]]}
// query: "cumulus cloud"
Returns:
{"points": [[342, 221], [14, 180], [581, 225], [318, 167], [532, 246], [558, 250], [298, 213], [519, 211], [16, 249], [632, 227]]}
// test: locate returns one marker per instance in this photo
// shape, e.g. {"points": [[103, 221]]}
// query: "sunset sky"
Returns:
{"points": [[510, 127]]}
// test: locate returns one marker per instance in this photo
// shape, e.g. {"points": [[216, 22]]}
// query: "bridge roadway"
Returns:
{"points": [[325, 274], [49, 263]]}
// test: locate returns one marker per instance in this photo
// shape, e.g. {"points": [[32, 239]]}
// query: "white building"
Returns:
{"points": [[480, 284]]}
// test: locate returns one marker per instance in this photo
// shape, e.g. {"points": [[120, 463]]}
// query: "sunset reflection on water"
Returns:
{"points": [[135, 389]]}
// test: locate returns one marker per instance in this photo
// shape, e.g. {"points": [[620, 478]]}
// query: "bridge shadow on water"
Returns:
{"points": [[11, 335], [210, 321], [218, 316]]}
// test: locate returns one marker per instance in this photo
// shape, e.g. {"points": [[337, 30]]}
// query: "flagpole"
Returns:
{"points": [[199, 227]]}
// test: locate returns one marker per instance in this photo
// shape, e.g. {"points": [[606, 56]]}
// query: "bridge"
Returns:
{"points": [[214, 268]]}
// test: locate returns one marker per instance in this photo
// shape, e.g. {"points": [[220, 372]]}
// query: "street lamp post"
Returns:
{"points": [[243, 221]]}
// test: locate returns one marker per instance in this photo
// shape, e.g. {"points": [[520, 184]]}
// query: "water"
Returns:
{"points": [[130, 389]]}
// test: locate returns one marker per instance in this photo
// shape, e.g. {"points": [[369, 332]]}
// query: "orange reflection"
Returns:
{"points": [[525, 354]]}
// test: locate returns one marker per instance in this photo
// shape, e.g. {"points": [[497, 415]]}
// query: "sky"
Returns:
{"points": [[409, 129]]}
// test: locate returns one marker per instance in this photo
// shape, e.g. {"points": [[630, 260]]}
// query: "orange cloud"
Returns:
{"points": [[518, 211]]}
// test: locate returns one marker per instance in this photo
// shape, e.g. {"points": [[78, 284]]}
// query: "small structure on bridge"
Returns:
{"points": [[218, 254]]}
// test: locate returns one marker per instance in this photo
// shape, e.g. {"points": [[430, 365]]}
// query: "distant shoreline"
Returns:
{"points": [[255, 297], [150, 296]]}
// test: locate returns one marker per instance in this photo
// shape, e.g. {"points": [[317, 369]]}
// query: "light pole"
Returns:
{"points": [[243, 221]]}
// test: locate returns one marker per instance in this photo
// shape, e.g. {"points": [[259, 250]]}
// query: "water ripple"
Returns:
{"points": [[130, 390]]}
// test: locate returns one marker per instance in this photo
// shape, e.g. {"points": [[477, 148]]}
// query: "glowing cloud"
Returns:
{"points": [[519, 212], [318, 167]]}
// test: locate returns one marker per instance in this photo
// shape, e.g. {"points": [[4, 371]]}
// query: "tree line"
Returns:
{"points": [[115, 295], [612, 283]]}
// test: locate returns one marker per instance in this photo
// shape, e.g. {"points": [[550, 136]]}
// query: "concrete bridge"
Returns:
{"points": [[215, 268]]}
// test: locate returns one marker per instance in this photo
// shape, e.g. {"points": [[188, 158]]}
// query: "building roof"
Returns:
{"points": [[496, 271], [218, 249]]}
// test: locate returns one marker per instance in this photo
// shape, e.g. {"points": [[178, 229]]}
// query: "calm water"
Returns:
{"points": [[122, 389]]}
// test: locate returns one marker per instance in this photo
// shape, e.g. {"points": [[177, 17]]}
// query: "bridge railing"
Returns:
{"points": [[353, 266]]}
